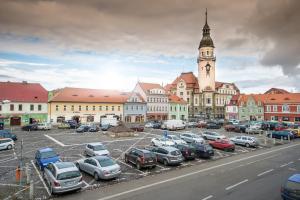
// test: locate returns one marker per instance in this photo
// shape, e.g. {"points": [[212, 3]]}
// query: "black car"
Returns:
{"points": [[187, 151], [213, 126], [105, 127], [241, 128], [203, 150], [73, 124], [93, 128], [156, 125], [30, 127], [141, 158], [82, 128], [7, 134]]}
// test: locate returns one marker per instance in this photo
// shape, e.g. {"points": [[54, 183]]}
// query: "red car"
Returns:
{"points": [[229, 127], [201, 124], [137, 128], [280, 127], [222, 144]]}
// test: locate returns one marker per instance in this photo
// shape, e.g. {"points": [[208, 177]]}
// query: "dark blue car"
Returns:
{"points": [[7, 134], [45, 156], [284, 134], [291, 188]]}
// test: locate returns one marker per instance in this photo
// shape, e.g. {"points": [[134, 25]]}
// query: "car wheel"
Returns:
{"points": [[204, 137], [96, 176], [138, 166], [9, 147], [166, 162], [247, 145]]}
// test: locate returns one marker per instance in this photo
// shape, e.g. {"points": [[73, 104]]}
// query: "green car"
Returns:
{"points": [[63, 126]]}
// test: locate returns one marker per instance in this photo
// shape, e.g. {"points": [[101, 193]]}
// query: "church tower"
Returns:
{"points": [[206, 61]]}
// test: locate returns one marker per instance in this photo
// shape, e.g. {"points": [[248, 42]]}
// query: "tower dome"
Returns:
{"points": [[206, 40]]}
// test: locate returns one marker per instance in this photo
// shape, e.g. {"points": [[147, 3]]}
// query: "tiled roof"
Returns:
{"points": [[148, 86], [276, 91], [175, 99], [137, 94], [90, 95], [282, 98], [189, 78], [257, 98], [168, 87], [23, 92], [220, 84]]}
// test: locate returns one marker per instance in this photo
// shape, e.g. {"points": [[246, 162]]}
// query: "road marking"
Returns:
{"points": [[81, 156], [219, 153], [265, 172], [262, 159], [144, 173], [56, 141], [195, 172], [86, 185], [239, 183], [208, 197], [6, 160], [286, 164], [92, 182], [37, 171]]}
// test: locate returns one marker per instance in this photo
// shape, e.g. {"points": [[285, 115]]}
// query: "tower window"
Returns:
{"points": [[207, 53]]}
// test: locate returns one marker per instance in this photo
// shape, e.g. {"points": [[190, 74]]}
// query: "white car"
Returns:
{"points": [[44, 126], [162, 142], [175, 139], [212, 136], [149, 125], [6, 143], [96, 149], [191, 137]]}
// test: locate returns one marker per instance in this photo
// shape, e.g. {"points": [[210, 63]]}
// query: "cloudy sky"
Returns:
{"points": [[111, 44]]}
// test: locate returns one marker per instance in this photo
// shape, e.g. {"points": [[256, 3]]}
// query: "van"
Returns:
{"points": [[173, 124]]}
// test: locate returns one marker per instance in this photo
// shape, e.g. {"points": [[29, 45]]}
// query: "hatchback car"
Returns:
{"points": [[203, 150], [30, 127], [138, 128], [187, 151], [6, 143], [63, 126], [162, 141], [290, 190], [62, 177], [191, 137], [212, 136], [285, 134], [101, 167], [45, 156], [8, 134], [96, 149], [175, 139], [229, 127], [142, 158], [167, 155], [93, 128], [213, 126], [222, 144], [44, 126], [245, 141], [83, 128]]}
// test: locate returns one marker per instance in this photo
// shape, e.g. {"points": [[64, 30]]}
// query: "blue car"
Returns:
{"points": [[285, 134], [45, 156], [291, 188], [7, 134]]}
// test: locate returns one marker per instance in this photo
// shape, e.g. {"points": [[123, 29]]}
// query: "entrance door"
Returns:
{"points": [[15, 121]]}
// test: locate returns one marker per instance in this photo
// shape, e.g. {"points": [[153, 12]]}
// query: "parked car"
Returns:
{"points": [[96, 149], [93, 128], [240, 128], [201, 124], [213, 126], [212, 135], [191, 137], [63, 126], [8, 134], [44, 126], [73, 124], [295, 131], [6, 143], [82, 129], [138, 128], [223, 144], [105, 127], [285, 135], [142, 158], [229, 127], [162, 141], [44, 156], [173, 124], [167, 155], [30, 127], [191, 124], [62, 177], [156, 125], [203, 150], [101, 167], [149, 125], [244, 140], [290, 190], [175, 139], [187, 151]]}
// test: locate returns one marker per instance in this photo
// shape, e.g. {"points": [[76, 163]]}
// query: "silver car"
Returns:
{"points": [[6, 143], [101, 167], [96, 149], [191, 137], [167, 155], [247, 141], [212, 136], [62, 177]]}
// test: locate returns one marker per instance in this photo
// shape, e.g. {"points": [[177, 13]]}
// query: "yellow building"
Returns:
{"points": [[85, 105]]}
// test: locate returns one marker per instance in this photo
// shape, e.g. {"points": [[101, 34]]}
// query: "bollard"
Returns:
{"points": [[289, 138], [281, 139], [31, 190], [27, 174], [274, 141], [265, 141], [18, 174]]}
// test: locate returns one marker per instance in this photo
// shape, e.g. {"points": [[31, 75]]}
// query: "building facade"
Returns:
{"points": [[251, 107], [232, 109], [178, 108], [135, 109], [156, 99], [86, 105], [205, 96], [22, 103]]}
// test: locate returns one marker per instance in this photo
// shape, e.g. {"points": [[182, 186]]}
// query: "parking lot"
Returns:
{"points": [[70, 145]]}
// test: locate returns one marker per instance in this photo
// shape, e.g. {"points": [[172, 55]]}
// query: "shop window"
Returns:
{"points": [[86, 108], [113, 108], [297, 119], [100, 108], [106, 108], [60, 119]]}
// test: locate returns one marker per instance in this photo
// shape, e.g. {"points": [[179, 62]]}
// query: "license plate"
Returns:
{"points": [[70, 183]]}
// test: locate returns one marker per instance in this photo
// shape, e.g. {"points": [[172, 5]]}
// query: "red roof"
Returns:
{"points": [[149, 86], [282, 98], [175, 99], [220, 84], [23, 92], [189, 78], [276, 91], [90, 95]]}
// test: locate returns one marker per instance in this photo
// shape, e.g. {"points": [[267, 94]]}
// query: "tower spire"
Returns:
{"points": [[206, 16]]}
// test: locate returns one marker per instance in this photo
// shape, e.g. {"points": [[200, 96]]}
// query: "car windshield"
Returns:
{"points": [[68, 175], [207, 147], [48, 154], [149, 155], [105, 162], [99, 147], [175, 153], [293, 185]]}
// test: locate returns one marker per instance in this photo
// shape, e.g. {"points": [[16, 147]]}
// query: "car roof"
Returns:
{"points": [[168, 148], [142, 150], [295, 178], [46, 149], [95, 143], [65, 167], [101, 157]]}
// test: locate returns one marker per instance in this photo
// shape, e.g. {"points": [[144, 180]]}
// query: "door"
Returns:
{"points": [[15, 121]]}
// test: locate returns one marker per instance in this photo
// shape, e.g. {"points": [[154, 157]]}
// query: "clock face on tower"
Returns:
{"points": [[207, 67]]}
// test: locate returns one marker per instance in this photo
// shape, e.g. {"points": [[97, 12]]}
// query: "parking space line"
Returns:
{"points": [[130, 166], [286, 164], [6, 160], [54, 140], [243, 149], [237, 184], [37, 171], [265, 172], [86, 185], [208, 197]]}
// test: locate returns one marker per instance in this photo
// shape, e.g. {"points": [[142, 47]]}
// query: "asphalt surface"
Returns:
{"points": [[255, 175]]}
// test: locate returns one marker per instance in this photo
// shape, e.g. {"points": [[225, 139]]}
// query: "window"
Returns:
{"points": [[20, 107], [170, 108], [94, 108], [274, 118], [181, 93], [131, 107], [31, 107], [113, 108], [297, 119], [56, 107], [86, 108], [179, 108], [188, 100], [106, 108], [285, 119], [285, 108], [119, 108], [188, 93], [65, 108], [12, 107], [207, 53], [72, 108], [183, 108], [208, 100], [137, 107], [274, 108], [268, 108], [298, 108], [126, 107], [0, 107], [142, 107], [79, 108], [196, 100], [100, 108]]}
